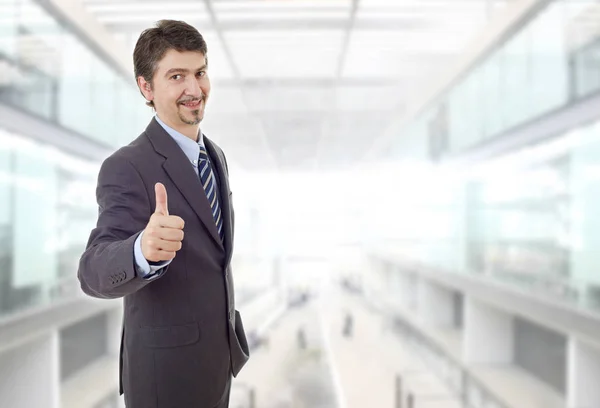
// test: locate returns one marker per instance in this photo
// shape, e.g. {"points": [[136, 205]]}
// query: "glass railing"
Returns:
{"points": [[464, 387], [471, 392]]}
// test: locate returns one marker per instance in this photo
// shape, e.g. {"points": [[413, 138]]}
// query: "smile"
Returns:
{"points": [[192, 104]]}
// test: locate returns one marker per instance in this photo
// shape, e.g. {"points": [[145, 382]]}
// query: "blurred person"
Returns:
{"points": [[301, 338], [164, 234], [348, 324]]}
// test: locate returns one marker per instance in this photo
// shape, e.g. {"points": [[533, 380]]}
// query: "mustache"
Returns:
{"points": [[186, 100]]}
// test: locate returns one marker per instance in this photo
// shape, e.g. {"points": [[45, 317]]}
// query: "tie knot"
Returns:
{"points": [[203, 154]]}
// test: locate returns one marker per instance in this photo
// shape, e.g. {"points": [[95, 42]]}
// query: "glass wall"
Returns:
{"points": [[46, 70], [528, 219], [531, 218], [47, 209], [520, 224], [47, 197], [537, 224], [549, 63]]}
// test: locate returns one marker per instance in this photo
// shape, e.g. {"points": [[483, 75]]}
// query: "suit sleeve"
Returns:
{"points": [[107, 268]]}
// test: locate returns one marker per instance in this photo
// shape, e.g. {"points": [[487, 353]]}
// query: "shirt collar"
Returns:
{"points": [[189, 147]]}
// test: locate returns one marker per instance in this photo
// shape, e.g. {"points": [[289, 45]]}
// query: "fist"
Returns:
{"points": [[164, 233]]}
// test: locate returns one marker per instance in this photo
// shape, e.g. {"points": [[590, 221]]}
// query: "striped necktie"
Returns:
{"points": [[209, 183]]}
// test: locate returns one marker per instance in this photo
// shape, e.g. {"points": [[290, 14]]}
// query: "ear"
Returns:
{"points": [[145, 88]]}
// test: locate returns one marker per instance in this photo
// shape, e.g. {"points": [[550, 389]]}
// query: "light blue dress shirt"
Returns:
{"points": [[192, 151]]}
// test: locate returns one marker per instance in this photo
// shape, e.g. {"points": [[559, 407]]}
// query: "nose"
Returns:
{"points": [[192, 87]]}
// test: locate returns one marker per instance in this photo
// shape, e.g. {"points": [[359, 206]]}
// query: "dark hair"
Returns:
{"points": [[156, 41]]}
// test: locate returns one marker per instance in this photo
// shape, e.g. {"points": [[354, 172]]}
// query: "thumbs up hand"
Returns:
{"points": [[163, 235]]}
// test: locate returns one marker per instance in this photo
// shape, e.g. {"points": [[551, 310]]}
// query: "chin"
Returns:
{"points": [[197, 117], [191, 118]]}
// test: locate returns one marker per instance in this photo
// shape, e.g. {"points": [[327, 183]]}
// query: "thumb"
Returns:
{"points": [[161, 199]]}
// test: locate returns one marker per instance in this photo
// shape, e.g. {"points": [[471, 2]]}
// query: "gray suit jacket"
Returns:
{"points": [[182, 337]]}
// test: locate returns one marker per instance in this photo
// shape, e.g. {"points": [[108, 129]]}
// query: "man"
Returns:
{"points": [[164, 237]]}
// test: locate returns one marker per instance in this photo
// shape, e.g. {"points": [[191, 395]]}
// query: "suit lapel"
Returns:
{"points": [[224, 194], [183, 176]]}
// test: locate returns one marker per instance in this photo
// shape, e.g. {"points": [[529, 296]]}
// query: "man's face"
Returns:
{"points": [[180, 88]]}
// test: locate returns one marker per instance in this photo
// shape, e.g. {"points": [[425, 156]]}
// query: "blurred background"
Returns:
{"points": [[416, 186]]}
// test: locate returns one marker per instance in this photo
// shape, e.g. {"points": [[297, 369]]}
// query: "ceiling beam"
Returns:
{"points": [[219, 31], [348, 29], [346, 40], [308, 82], [371, 24], [88, 30]]}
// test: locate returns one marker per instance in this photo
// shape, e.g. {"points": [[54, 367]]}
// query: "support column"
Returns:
{"points": [[583, 374], [405, 289], [435, 304], [488, 334], [31, 374]]}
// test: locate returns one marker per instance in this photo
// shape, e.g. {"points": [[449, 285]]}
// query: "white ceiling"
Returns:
{"points": [[301, 84]]}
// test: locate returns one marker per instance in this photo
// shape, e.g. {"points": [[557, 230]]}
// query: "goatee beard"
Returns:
{"points": [[194, 121], [197, 119]]}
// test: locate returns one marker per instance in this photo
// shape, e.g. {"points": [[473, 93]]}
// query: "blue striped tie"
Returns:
{"points": [[210, 188]]}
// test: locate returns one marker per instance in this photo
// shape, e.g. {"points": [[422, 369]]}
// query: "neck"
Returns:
{"points": [[190, 131]]}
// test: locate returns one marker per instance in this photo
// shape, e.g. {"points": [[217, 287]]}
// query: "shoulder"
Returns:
{"points": [[128, 158]]}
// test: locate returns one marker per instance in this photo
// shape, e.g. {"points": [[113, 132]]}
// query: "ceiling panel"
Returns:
{"points": [[346, 127], [281, 54], [289, 99], [260, 6], [396, 54], [288, 103], [369, 98], [133, 12], [426, 4], [283, 14]]}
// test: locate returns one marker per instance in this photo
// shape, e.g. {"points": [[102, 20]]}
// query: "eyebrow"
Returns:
{"points": [[184, 70]]}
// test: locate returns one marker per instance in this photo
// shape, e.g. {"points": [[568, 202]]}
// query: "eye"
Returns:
{"points": [[201, 73], [176, 77]]}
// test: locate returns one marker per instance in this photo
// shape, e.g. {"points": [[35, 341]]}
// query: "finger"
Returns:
{"points": [[169, 234], [160, 255], [168, 221], [168, 246], [161, 199], [154, 231]]}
